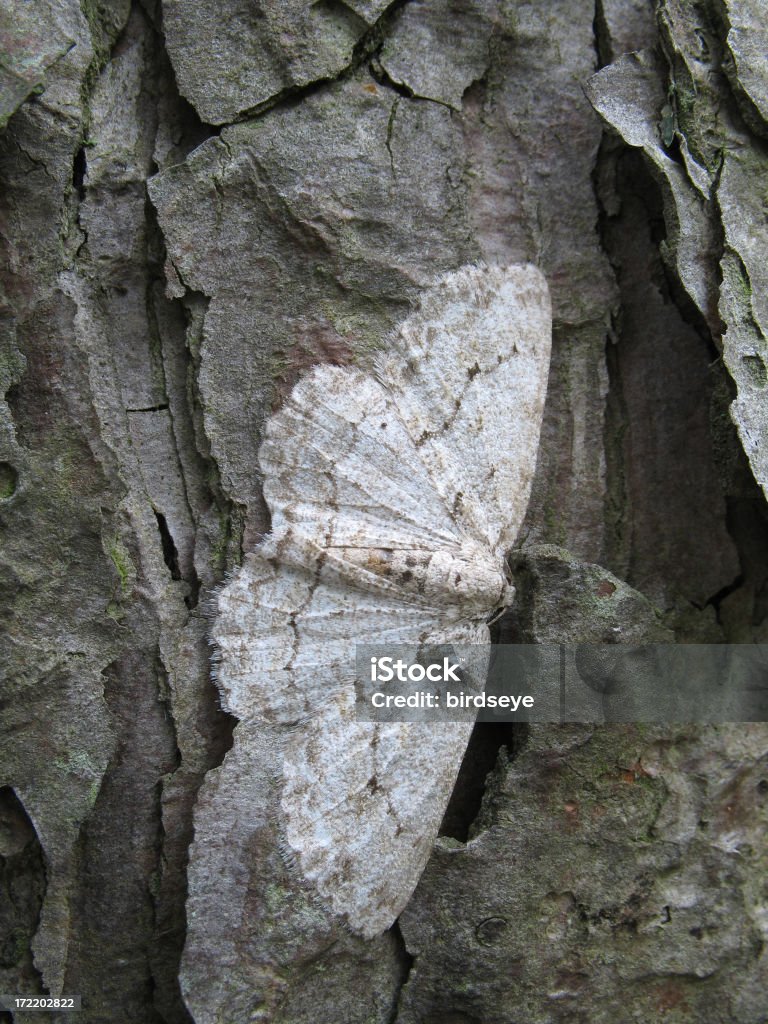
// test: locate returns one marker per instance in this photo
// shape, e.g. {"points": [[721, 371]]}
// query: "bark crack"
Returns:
{"points": [[364, 52], [390, 130], [406, 962]]}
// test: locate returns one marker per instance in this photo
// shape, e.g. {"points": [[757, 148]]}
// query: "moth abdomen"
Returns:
{"points": [[467, 575]]}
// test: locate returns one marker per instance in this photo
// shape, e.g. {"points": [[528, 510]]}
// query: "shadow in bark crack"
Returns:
{"points": [[486, 743], [22, 888]]}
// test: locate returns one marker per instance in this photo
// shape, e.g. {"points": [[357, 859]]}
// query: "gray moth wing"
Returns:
{"points": [[361, 802], [468, 372], [393, 502]]}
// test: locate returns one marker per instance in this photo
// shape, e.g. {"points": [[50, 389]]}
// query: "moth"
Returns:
{"points": [[394, 499]]}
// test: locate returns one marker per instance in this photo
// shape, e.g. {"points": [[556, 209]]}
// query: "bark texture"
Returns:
{"points": [[199, 200]]}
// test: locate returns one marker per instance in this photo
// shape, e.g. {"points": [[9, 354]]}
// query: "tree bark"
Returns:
{"points": [[201, 200]]}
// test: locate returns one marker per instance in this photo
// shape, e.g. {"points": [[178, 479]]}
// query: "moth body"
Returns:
{"points": [[394, 498], [467, 579]]}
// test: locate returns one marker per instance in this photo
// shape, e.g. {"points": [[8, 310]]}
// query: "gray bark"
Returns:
{"points": [[198, 202]]}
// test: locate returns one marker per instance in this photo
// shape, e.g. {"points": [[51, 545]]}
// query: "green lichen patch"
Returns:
{"points": [[8, 481], [122, 562], [755, 368]]}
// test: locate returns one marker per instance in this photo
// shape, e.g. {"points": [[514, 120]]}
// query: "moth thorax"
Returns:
{"points": [[471, 578], [467, 577]]}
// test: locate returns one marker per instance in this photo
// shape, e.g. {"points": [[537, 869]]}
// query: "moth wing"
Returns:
{"points": [[286, 635], [468, 373], [445, 443], [363, 801], [341, 468]]}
